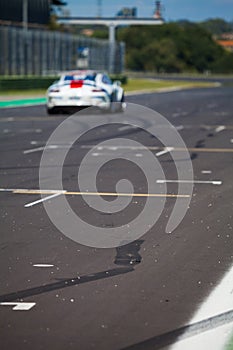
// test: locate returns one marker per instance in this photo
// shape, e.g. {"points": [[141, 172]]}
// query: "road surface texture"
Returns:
{"points": [[138, 296]]}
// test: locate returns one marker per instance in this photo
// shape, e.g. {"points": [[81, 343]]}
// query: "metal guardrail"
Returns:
{"points": [[41, 52]]}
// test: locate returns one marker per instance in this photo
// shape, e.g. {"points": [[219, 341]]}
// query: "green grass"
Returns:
{"points": [[26, 93], [150, 84], [229, 345], [133, 84]]}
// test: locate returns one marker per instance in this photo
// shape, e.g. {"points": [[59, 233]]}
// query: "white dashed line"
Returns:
{"points": [[28, 205], [206, 171], [166, 150], [126, 127], [19, 306], [43, 265], [220, 128], [216, 182], [38, 149], [34, 150]]}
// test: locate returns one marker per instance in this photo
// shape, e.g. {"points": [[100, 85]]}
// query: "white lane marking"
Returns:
{"points": [[126, 127], [206, 171], [28, 205], [220, 128], [156, 148], [38, 149], [166, 150], [115, 148], [102, 154], [179, 127], [34, 150], [218, 302], [19, 306], [43, 265], [215, 182]]}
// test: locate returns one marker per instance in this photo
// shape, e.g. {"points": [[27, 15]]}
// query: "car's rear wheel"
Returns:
{"points": [[117, 106], [51, 110], [122, 104]]}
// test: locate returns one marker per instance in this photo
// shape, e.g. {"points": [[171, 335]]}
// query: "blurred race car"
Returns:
{"points": [[80, 89]]}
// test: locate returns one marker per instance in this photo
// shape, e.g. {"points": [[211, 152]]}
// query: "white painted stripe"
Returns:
{"points": [[126, 127], [155, 148], [206, 171], [179, 127], [215, 182], [43, 265], [166, 150], [38, 149], [220, 128], [42, 200], [218, 302], [34, 150], [114, 148], [19, 306]]}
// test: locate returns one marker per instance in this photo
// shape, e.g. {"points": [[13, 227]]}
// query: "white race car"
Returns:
{"points": [[81, 89]]}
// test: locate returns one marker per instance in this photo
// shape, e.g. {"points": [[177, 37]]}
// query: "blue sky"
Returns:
{"points": [[194, 10]]}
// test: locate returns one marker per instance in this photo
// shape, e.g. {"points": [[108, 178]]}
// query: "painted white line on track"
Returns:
{"points": [[28, 205], [215, 182], [38, 149], [19, 306], [220, 128], [219, 301], [206, 171], [126, 127], [34, 150], [43, 265], [166, 150], [179, 127], [156, 148]]}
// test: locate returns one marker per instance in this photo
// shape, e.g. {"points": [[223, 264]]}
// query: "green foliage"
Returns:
{"points": [[25, 83], [119, 77], [173, 47], [217, 26]]}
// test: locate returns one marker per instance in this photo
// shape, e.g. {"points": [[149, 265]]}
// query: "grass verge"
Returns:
{"points": [[152, 84], [132, 85]]}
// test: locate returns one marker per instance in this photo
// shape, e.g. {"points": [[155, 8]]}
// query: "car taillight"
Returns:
{"points": [[76, 84]]}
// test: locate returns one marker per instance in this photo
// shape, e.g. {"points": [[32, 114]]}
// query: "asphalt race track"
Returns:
{"points": [[138, 296]]}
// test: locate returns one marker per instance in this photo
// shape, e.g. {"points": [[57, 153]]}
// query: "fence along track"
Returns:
{"points": [[41, 52]]}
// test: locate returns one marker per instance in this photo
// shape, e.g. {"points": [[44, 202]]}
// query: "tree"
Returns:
{"points": [[173, 47]]}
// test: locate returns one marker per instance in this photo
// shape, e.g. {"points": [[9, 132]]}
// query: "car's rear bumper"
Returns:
{"points": [[100, 101]]}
